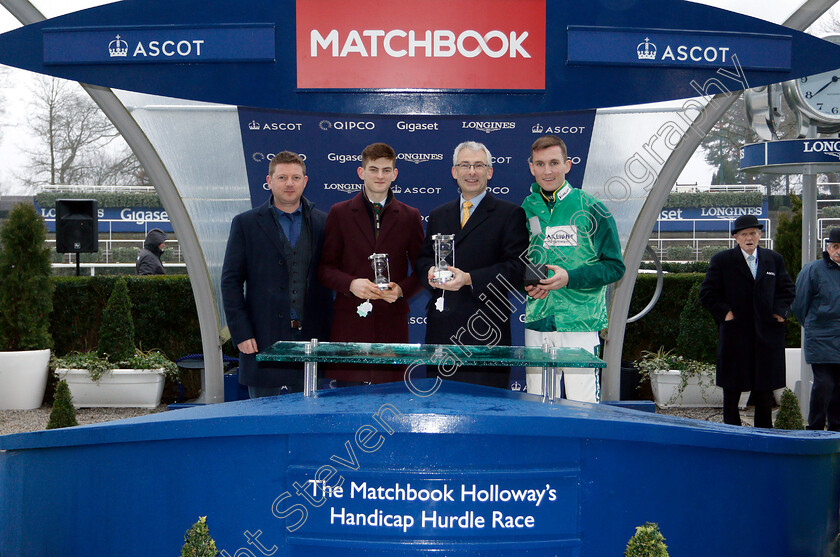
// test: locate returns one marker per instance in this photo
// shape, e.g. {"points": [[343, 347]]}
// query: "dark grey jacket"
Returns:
{"points": [[817, 308]]}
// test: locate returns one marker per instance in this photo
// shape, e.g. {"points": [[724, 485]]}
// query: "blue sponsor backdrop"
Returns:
{"points": [[792, 156], [568, 86], [332, 147], [708, 219], [138, 220]]}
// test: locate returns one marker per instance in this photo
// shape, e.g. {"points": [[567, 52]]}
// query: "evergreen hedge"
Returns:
{"points": [[717, 199], [46, 200], [163, 309], [165, 317]]}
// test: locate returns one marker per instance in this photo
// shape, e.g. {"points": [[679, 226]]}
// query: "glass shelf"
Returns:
{"points": [[432, 354]]}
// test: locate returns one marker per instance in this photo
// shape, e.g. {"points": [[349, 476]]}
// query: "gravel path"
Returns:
{"points": [[17, 421]]}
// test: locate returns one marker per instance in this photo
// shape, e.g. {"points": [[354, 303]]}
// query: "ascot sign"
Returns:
{"points": [[497, 47]]}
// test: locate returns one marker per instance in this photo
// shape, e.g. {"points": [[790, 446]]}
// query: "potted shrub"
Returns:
{"points": [[118, 374], [679, 381], [26, 291]]}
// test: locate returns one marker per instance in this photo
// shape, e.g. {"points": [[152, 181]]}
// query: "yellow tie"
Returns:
{"points": [[466, 215]]}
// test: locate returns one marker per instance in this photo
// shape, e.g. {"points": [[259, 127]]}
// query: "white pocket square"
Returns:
{"points": [[770, 273]]}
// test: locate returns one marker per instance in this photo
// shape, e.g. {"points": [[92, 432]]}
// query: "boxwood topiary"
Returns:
{"points": [[116, 334]]}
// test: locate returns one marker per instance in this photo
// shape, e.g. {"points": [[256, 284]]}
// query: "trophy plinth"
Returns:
{"points": [[381, 270], [444, 245]]}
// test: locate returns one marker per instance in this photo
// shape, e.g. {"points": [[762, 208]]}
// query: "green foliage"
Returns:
{"points": [[197, 540], [26, 291], [698, 336], [648, 541], [63, 414], [663, 360], [46, 200], [790, 414], [162, 306], [116, 334], [660, 327], [96, 366], [831, 212], [788, 240], [717, 199], [679, 253], [706, 252]]}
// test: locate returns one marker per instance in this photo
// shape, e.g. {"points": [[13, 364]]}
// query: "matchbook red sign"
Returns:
{"points": [[423, 44]]}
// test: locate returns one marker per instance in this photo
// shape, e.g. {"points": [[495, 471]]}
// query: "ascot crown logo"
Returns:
{"points": [[118, 48], [253, 125], [537, 129], [646, 50]]}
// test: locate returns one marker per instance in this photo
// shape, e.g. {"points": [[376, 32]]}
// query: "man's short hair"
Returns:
{"points": [[472, 146], [378, 151], [286, 157], [547, 141]]}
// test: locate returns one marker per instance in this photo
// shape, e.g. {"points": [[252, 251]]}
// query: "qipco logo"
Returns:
{"points": [[346, 125]]}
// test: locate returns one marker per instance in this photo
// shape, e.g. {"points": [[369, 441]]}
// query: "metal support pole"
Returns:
{"points": [[810, 237], [310, 371]]}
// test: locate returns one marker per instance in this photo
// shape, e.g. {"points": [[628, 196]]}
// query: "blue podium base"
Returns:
{"points": [[382, 471]]}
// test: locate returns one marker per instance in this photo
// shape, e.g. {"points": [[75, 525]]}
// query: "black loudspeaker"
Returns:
{"points": [[76, 226]]}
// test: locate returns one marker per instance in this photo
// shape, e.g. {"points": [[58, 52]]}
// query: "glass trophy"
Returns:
{"points": [[381, 270], [444, 245]]}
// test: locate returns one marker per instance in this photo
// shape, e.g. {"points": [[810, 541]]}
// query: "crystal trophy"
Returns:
{"points": [[444, 245], [381, 270]]}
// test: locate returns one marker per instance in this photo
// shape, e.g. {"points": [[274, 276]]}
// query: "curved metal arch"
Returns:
{"points": [[212, 387], [806, 15]]}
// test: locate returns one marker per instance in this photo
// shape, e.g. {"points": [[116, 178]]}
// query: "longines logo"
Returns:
{"points": [[346, 125], [538, 128], [275, 126], [417, 158], [344, 188], [488, 127], [830, 148]]}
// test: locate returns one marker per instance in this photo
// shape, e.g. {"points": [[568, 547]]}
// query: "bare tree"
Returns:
{"points": [[77, 144]]}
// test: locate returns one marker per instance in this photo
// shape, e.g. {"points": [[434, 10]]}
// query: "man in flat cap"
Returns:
{"points": [[749, 293]]}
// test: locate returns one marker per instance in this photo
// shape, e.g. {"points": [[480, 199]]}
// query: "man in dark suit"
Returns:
{"points": [[373, 221], [491, 240], [749, 293], [269, 287]]}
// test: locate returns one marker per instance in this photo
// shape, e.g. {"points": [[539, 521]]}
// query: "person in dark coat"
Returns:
{"points": [[817, 308], [269, 286], [373, 221], [491, 241], [749, 292], [148, 260]]}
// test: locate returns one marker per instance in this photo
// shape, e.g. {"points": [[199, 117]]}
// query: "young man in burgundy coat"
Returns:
{"points": [[371, 222]]}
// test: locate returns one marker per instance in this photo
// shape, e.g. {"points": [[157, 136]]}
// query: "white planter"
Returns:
{"points": [[23, 379], [119, 388], [665, 383]]}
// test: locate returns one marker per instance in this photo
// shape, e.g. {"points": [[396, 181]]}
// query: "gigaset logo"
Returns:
{"points": [[346, 125], [440, 43]]}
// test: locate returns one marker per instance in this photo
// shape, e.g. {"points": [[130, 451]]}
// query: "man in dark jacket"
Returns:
{"points": [[269, 284], [749, 292], [490, 237], [817, 307], [148, 260], [373, 221]]}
